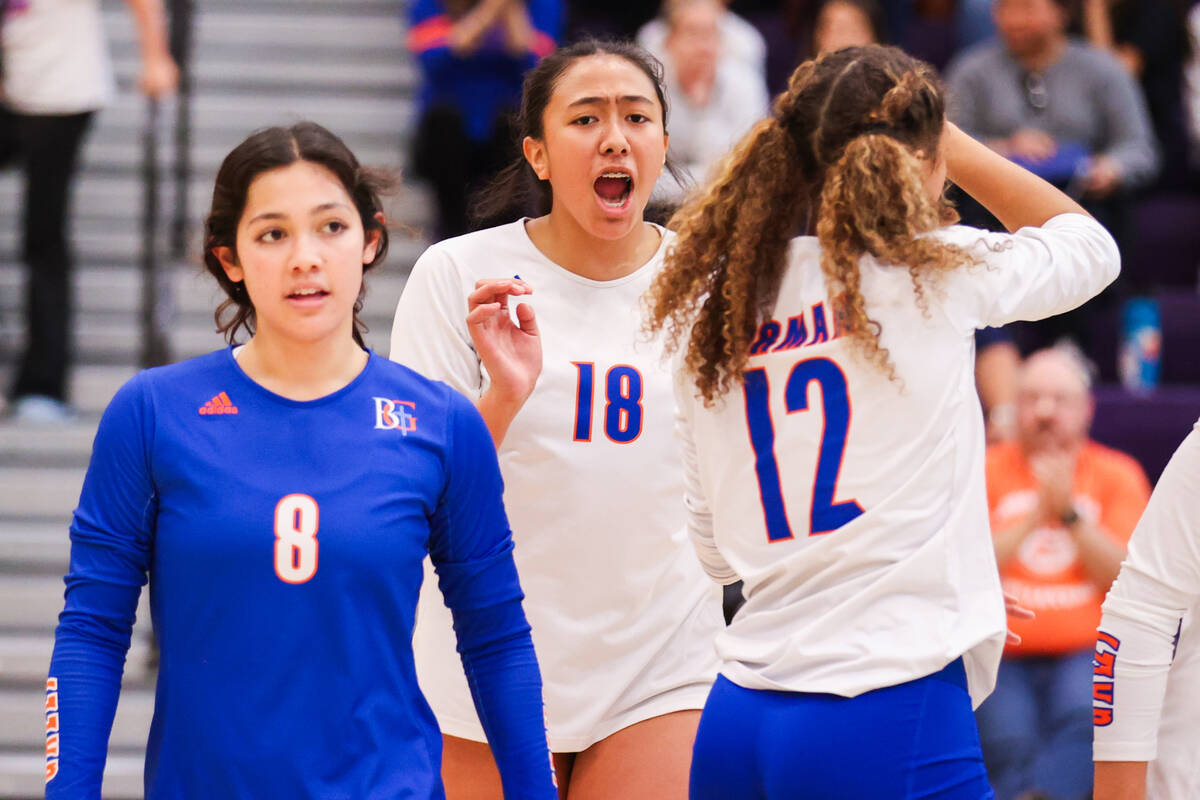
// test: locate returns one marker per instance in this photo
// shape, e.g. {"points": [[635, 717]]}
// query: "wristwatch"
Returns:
{"points": [[1069, 517]]}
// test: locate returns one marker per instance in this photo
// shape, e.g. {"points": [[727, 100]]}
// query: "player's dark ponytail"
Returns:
{"points": [[268, 149]]}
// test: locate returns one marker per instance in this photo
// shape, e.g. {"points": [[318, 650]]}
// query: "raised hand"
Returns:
{"points": [[511, 353]]}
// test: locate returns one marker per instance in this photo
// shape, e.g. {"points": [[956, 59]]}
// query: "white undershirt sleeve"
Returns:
{"points": [[429, 333], [1031, 274], [700, 518], [1158, 582]]}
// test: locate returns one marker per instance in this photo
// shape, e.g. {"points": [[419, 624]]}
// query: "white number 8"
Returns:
{"points": [[296, 518]]}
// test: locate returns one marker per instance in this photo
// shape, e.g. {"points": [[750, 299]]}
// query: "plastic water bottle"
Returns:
{"points": [[1141, 344]]}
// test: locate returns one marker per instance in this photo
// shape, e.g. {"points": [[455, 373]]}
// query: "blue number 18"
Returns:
{"points": [[825, 515]]}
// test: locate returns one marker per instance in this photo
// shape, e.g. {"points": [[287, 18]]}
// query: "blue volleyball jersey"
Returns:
{"points": [[283, 543]]}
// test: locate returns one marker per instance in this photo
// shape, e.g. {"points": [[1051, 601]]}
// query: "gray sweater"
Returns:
{"points": [[1090, 100]]}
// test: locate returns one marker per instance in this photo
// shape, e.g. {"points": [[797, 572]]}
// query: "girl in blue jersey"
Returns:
{"points": [[280, 496], [833, 436]]}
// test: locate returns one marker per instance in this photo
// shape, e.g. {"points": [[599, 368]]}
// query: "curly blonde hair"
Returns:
{"points": [[845, 154]]}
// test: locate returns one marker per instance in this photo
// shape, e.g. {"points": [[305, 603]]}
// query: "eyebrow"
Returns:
{"points": [[318, 210], [629, 98]]}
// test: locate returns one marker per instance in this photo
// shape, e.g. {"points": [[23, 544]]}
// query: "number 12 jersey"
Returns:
{"points": [[853, 504]]}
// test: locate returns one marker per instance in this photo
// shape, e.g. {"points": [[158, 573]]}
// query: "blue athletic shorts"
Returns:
{"points": [[914, 740]]}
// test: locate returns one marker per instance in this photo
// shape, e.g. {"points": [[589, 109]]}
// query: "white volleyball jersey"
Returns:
{"points": [[853, 506], [623, 616], [1146, 697]]}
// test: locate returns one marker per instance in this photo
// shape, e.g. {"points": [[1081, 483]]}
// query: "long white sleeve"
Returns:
{"points": [[1031, 274], [429, 333], [1159, 582], [699, 515]]}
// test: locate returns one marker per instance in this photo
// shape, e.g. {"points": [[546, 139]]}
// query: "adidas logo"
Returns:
{"points": [[221, 404]]}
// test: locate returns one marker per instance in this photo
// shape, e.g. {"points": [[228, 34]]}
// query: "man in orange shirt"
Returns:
{"points": [[1062, 509]]}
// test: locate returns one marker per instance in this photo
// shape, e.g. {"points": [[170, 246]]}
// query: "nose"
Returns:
{"points": [[614, 141], [1045, 406], [306, 253]]}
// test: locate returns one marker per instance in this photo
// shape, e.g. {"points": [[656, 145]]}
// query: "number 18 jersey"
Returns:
{"points": [[623, 617], [851, 503]]}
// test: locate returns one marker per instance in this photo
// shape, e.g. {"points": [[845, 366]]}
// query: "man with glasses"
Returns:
{"points": [[1060, 108]]}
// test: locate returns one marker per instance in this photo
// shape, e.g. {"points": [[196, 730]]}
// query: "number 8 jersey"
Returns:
{"points": [[853, 504], [623, 617]]}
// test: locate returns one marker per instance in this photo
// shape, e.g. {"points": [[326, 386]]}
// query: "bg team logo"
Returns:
{"points": [[395, 415]]}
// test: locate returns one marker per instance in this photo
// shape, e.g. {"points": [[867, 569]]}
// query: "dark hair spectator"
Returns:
{"points": [[56, 75], [715, 98], [1149, 39], [473, 56], [1063, 109]]}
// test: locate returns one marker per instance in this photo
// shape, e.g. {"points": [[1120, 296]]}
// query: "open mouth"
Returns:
{"points": [[305, 294], [613, 189]]}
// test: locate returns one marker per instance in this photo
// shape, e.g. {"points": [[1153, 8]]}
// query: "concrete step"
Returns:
{"points": [[22, 718], [25, 658], [118, 289], [31, 603], [21, 775], [35, 546], [45, 493], [67, 445], [114, 338], [318, 28], [118, 151], [102, 241], [236, 115]]}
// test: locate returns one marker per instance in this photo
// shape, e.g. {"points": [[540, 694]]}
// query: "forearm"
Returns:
{"points": [[501, 667], [996, 368], [518, 30], [1101, 556], [1008, 540], [83, 686], [150, 18], [506, 687], [1014, 195], [498, 412], [1097, 25], [471, 28], [1120, 780]]}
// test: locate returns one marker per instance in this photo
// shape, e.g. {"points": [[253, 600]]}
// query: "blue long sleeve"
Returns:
{"points": [[110, 555], [471, 548]]}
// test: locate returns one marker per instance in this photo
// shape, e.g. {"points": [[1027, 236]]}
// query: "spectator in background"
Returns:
{"points": [[1063, 109], [474, 55], [1150, 40], [714, 98], [603, 19], [1191, 91], [56, 75], [846, 23], [1062, 510], [1056, 104], [740, 41]]}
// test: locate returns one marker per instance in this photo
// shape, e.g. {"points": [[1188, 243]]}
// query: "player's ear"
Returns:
{"points": [[229, 263], [371, 243], [535, 154]]}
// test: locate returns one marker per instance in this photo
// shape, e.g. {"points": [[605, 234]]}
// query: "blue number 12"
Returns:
{"points": [[825, 515]]}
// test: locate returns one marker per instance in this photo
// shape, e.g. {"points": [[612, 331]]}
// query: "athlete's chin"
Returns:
{"points": [[613, 227]]}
